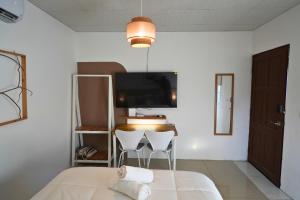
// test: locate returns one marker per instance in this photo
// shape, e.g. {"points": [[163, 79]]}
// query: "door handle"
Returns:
{"points": [[281, 109], [276, 123]]}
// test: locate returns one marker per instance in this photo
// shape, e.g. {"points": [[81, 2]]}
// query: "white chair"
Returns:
{"points": [[130, 141], [160, 142]]}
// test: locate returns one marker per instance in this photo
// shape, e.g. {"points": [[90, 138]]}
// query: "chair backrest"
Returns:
{"points": [[129, 139], [159, 140]]}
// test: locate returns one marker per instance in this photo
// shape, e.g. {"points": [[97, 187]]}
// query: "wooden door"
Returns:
{"points": [[269, 75]]}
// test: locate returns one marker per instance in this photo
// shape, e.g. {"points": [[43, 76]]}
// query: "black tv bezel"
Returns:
{"points": [[146, 106]]}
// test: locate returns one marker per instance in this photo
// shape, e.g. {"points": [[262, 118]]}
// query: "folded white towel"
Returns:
{"points": [[137, 191], [140, 175]]}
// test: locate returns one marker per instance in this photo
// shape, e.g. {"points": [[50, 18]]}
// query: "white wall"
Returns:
{"points": [[197, 57], [33, 151], [286, 30]]}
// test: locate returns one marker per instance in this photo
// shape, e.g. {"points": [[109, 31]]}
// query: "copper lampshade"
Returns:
{"points": [[141, 32]]}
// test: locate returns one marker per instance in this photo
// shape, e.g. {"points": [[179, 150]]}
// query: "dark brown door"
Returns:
{"points": [[269, 75]]}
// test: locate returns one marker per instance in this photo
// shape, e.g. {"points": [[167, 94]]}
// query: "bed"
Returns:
{"points": [[92, 183]]}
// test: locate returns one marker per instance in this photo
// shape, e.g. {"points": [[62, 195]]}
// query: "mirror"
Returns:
{"points": [[224, 91]]}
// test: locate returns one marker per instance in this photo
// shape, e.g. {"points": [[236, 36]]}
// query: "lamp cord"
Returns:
{"points": [[141, 7], [147, 62]]}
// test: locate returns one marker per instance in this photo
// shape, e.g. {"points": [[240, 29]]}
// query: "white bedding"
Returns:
{"points": [[91, 183]]}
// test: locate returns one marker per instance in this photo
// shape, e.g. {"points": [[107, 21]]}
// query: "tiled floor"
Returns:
{"points": [[232, 182], [261, 182]]}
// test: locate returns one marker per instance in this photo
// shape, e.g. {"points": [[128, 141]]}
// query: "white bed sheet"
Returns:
{"points": [[92, 183]]}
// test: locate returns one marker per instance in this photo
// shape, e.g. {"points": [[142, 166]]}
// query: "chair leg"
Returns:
{"points": [[119, 159], [138, 155], [148, 164], [169, 160], [121, 156], [143, 154]]}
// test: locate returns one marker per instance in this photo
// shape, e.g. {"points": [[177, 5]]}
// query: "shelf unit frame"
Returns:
{"points": [[78, 130]]}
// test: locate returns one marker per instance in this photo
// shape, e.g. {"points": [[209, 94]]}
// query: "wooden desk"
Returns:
{"points": [[144, 127], [150, 127]]}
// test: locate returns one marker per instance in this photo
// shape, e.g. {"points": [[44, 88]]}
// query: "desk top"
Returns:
{"points": [[152, 127]]}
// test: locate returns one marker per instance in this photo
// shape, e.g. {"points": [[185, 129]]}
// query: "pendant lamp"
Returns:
{"points": [[141, 31]]}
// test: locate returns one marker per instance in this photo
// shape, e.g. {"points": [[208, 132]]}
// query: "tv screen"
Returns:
{"points": [[146, 90]]}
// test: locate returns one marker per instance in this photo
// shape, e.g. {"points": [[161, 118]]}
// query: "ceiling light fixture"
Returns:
{"points": [[141, 31]]}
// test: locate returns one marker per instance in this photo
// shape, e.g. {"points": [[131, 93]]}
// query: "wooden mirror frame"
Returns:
{"points": [[216, 107]]}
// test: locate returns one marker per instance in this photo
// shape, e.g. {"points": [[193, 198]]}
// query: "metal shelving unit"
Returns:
{"points": [[78, 129]]}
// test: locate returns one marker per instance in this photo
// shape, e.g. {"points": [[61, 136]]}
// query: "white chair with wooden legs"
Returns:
{"points": [[130, 141], [160, 142]]}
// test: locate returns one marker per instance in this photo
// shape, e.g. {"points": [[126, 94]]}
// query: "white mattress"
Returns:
{"points": [[91, 183]]}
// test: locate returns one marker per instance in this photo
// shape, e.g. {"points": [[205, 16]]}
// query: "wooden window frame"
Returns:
{"points": [[24, 113]]}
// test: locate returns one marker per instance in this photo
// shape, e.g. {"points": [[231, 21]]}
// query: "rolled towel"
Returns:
{"points": [[139, 175], [137, 191]]}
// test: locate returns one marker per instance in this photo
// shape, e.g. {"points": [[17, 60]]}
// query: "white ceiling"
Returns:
{"points": [[168, 15]]}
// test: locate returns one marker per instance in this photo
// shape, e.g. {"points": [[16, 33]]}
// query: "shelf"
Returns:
{"points": [[92, 129], [156, 117], [79, 131], [91, 161]]}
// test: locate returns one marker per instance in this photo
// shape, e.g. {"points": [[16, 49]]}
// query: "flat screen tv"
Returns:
{"points": [[146, 90]]}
